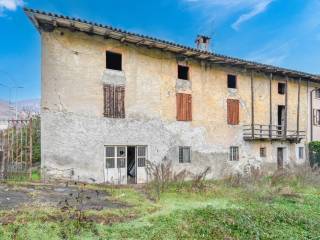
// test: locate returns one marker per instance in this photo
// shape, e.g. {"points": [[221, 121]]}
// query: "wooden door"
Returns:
{"points": [[280, 157]]}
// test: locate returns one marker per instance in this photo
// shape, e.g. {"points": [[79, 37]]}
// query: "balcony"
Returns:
{"points": [[271, 132]]}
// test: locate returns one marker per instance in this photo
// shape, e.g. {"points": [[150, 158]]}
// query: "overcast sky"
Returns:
{"points": [[279, 32]]}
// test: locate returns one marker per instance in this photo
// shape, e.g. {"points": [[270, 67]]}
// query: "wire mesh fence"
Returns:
{"points": [[15, 149]]}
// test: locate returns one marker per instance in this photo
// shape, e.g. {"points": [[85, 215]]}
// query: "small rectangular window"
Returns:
{"points": [[142, 156], [232, 81], [263, 152], [116, 156], [317, 93], [110, 157], [316, 117], [301, 152], [114, 61], [281, 88], [234, 153], [183, 72], [184, 154]]}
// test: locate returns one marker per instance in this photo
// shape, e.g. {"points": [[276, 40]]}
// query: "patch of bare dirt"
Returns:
{"points": [[55, 196]]}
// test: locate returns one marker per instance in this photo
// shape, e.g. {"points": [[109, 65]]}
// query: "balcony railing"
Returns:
{"points": [[271, 132]]}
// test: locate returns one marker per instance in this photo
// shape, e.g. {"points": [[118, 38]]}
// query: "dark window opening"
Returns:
{"points": [[183, 72], [114, 61], [232, 81], [184, 154], [317, 93], [281, 119], [281, 88], [263, 152]]}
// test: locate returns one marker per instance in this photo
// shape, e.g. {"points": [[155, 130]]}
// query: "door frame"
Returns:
{"points": [[280, 165], [135, 162], [126, 160]]}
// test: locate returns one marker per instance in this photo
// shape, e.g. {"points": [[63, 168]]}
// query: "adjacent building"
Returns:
{"points": [[113, 101]]}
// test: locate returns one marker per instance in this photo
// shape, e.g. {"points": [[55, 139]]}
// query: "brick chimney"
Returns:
{"points": [[203, 42]]}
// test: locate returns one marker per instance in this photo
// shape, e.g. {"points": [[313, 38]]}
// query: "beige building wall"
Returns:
{"points": [[74, 131], [313, 129]]}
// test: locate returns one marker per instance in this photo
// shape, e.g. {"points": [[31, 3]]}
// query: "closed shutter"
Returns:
{"points": [[114, 97], [233, 111], [314, 116], [108, 100], [184, 107], [119, 102]]}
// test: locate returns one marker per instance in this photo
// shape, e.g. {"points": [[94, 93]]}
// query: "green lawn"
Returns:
{"points": [[286, 209]]}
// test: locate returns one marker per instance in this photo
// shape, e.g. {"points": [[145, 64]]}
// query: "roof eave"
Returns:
{"points": [[38, 18]]}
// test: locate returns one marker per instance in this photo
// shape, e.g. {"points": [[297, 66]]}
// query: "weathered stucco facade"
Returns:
{"points": [[75, 131]]}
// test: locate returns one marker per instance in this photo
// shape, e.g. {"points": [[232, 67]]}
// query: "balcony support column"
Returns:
{"points": [[270, 105], [286, 110], [298, 110], [252, 106]]}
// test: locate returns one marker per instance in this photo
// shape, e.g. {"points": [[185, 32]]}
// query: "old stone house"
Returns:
{"points": [[113, 100]]}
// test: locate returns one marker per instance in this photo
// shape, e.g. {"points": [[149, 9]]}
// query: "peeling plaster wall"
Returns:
{"points": [[315, 105], [74, 131]]}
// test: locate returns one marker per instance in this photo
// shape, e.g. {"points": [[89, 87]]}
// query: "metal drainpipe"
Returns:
{"points": [[311, 116]]}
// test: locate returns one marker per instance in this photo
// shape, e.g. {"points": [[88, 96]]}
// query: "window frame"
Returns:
{"points": [[263, 152], [114, 54], [181, 154], [316, 117], [280, 89], [301, 152], [317, 93], [180, 66], [235, 81], [117, 159], [141, 158], [234, 155]]}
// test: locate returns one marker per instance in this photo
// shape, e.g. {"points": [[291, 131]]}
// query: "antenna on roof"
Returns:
{"points": [[203, 42]]}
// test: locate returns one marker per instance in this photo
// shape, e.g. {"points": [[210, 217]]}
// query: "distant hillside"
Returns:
{"points": [[24, 107]]}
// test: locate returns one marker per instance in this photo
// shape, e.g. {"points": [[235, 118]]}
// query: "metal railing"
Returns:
{"points": [[271, 132]]}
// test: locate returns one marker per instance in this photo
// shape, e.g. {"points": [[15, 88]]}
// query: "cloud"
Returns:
{"points": [[273, 53], [257, 9], [10, 5], [217, 10]]}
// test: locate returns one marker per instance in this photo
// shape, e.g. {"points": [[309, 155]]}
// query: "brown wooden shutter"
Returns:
{"points": [[114, 101], [233, 111], [119, 101], [189, 107], [184, 107], [108, 100]]}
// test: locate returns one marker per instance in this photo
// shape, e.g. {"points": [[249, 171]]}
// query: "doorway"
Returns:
{"points": [[131, 164], [281, 116], [280, 157]]}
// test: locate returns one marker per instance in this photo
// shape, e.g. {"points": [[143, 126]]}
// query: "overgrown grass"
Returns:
{"points": [[287, 207]]}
